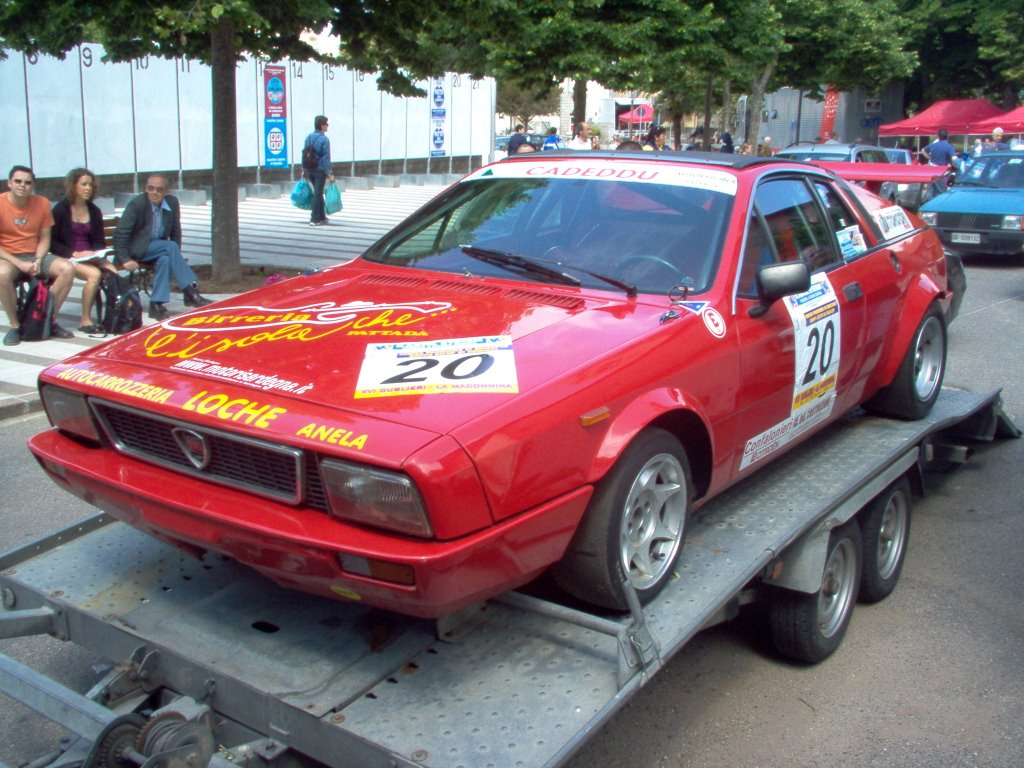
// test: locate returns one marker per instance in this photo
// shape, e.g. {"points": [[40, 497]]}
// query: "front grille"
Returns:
{"points": [[970, 221], [277, 472]]}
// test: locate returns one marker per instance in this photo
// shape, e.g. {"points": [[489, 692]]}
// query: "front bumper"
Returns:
{"points": [[1007, 243], [301, 549]]}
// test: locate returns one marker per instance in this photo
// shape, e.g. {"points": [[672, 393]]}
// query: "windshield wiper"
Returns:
{"points": [[629, 288], [513, 262]]}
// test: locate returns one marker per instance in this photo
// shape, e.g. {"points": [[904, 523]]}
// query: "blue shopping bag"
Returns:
{"points": [[332, 198], [302, 194]]}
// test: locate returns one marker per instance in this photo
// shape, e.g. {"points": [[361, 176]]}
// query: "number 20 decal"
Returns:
{"points": [[450, 371], [822, 349]]}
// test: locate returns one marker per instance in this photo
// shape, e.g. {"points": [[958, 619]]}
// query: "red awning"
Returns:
{"points": [[641, 113], [1011, 122], [957, 117]]}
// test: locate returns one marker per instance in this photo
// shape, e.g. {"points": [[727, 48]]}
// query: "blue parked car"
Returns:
{"points": [[984, 211]]}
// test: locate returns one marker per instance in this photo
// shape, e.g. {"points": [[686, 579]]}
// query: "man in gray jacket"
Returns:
{"points": [[149, 232]]}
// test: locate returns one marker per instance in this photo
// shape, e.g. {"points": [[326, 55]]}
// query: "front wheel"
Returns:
{"points": [[634, 527], [809, 627], [918, 381], [885, 526]]}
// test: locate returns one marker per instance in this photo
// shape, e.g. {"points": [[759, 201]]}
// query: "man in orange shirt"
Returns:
{"points": [[25, 224]]}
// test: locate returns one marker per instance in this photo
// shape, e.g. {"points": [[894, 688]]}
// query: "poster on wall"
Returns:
{"points": [[438, 120], [275, 112]]}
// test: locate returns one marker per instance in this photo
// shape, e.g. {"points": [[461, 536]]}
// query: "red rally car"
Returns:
{"points": [[548, 366]]}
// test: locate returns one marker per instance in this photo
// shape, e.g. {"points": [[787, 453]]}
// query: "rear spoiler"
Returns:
{"points": [[874, 174]]}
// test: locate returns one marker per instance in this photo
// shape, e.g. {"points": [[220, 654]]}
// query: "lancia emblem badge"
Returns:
{"points": [[194, 445]]}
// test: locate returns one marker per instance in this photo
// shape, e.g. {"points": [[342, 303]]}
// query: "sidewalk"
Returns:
{"points": [[272, 233]]}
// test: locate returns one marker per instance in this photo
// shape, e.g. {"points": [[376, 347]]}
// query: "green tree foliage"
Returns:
{"points": [[967, 48], [523, 104], [216, 33]]}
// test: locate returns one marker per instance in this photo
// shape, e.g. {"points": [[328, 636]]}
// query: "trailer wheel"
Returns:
{"points": [[885, 527], [918, 381], [809, 627], [634, 527]]}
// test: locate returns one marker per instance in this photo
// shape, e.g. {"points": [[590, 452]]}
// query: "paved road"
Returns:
{"points": [[932, 677]]}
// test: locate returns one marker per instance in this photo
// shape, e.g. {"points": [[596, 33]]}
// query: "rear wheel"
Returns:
{"points": [[809, 627], [634, 527], [918, 381], [885, 527]]}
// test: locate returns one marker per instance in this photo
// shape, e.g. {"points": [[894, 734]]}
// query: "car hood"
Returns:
{"points": [[360, 344], [977, 200]]}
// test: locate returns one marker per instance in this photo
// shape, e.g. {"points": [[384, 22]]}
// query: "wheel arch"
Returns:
{"points": [[920, 296], [677, 414]]}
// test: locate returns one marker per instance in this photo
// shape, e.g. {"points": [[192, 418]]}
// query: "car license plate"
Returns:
{"points": [[971, 238]]}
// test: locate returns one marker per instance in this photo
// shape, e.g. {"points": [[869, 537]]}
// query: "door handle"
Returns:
{"points": [[853, 291]]}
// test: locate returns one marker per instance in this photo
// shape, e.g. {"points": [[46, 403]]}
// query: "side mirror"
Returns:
{"points": [[777, 280]]}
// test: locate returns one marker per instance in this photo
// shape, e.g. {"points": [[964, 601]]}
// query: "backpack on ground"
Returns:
{"points": [[310, 159], [35, 311], [118, 304]]}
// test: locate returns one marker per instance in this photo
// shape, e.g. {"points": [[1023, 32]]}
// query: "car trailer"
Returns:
{"points": [[215, 665]]}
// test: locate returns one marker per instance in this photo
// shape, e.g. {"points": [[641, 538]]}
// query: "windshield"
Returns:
{"points": [[999, 171], [598, 233], [841, 156]]}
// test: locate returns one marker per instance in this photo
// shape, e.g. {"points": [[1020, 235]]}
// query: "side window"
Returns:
{"points": [[796, 223], [849, 237], [757, 253]]}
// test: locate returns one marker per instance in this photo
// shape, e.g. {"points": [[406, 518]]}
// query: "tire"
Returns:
{"points": [[634, 526], [918, 381], [809, 628], [885, 530]]}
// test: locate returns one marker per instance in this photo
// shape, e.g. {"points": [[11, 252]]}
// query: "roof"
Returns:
{"points": [[963, 117], [1011, 122]]}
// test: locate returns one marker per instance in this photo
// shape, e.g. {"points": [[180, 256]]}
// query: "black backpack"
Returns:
{"points": [[118, 304], [310, 159], [35, 311]]}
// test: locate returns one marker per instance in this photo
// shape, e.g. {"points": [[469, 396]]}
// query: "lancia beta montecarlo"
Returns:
{"points": [[546, 367]]}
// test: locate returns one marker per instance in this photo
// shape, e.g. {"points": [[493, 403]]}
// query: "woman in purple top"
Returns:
{"points": [[78, 233]]}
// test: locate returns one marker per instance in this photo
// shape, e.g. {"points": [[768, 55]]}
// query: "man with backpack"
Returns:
{"points": [[316, 163], [25, 224], [149, 231]]}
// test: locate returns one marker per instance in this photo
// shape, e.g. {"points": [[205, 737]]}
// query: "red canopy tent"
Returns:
{"points": [[641, 113], [1011, 122], [957, 117]]}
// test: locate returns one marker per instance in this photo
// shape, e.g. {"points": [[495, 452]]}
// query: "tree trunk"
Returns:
{"points": [[225, 254], [706, 143], [727, 106], [579, 102]]}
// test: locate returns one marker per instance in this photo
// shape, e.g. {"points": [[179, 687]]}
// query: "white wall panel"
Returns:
{"points": [[109, 128], [15, 148], [55, 113]]}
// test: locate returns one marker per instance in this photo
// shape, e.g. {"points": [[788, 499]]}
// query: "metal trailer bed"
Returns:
{"points": [[279, 676]]}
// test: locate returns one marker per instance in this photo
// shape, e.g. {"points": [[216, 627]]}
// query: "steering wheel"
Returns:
{"points": [[650, 258]]}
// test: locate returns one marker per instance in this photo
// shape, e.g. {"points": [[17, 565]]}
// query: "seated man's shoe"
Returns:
{"points": [[193, 299], [60, 333], [12, 337], [157, 310]]}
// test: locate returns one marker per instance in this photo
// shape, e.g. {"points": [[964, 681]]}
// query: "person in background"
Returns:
{"points": [[655, 139], [765, 148], [630, 146], [77, 234], [323, 172], [727, 146], [940, 152], [25, 226], [552, 141], [580, 137], [149, 232], [995, 143], [517, 140]]}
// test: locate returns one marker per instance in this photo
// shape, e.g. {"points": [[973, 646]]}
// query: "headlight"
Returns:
{"points": [[69, 412], [929, 217], [361, 494], [1012, 222]]}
